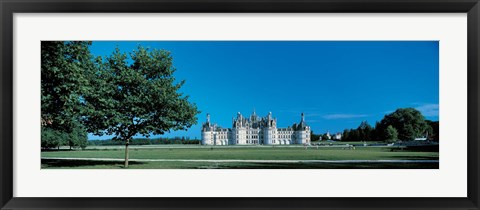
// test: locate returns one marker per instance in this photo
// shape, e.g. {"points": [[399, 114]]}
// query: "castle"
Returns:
{"points": [[255, 130]]}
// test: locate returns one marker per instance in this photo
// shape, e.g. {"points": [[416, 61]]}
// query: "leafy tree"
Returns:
{"points": [[408, 122], [345, 135], [52, 138], [64, 70], [314, 137], [391, 134], [78, 138], [354, 135], [376, 134], [137, 94], [364, 131], [433, 130], [325, 137]]}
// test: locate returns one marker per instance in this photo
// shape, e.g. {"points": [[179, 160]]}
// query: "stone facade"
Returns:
{"points": [[255, 130]]}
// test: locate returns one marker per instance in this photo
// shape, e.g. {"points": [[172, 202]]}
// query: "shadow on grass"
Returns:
{"points": [[405, 157], [51, 163], [328, 166], [56, 150]]}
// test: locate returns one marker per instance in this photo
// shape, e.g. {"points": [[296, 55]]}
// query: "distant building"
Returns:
{"points": [[255, 130], [337, 136], [423, 138]]}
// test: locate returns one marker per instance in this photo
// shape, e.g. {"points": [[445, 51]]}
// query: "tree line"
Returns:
{"points": [[145, 141], [404, 124], [52, 138]]}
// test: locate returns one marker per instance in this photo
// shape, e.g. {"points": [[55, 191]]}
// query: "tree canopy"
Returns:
{"points": [[137, 93], [408, 122], [364, 132], [391, 134], [433, 131], [65, 67], [52, 138], [315, 137], [64, 70]]}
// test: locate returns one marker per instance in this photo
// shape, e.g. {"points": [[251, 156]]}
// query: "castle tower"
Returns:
{"points": [[270, 132], [303, 132], [239, 132], [207, 132]]}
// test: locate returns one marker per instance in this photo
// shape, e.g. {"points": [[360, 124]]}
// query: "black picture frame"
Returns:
{"points": [[9, 7]]}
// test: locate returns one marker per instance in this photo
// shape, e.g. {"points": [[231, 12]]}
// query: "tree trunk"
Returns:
{"points": [[126, 152]]}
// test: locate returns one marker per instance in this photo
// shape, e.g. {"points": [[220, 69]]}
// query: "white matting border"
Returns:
{"points": [[449, 181]]}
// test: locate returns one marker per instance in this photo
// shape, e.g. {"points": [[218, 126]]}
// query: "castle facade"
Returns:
{"points": [[255, 130]]}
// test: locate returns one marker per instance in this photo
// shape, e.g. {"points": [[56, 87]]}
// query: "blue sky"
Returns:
{"points": [[337, 84]]}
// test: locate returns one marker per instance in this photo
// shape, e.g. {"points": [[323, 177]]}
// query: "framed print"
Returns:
{"points": [[239, 105]]}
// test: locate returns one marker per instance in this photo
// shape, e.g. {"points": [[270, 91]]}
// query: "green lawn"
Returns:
{"points": [[263, 153], [242, 153]]}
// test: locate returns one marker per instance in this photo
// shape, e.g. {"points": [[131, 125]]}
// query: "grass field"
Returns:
{"points": [[239, 153]]}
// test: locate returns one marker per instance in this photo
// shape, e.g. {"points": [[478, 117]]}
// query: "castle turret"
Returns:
{"points": [[302, 125], [207, 132], [303, 132], [270, 132], [253, 117]]}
